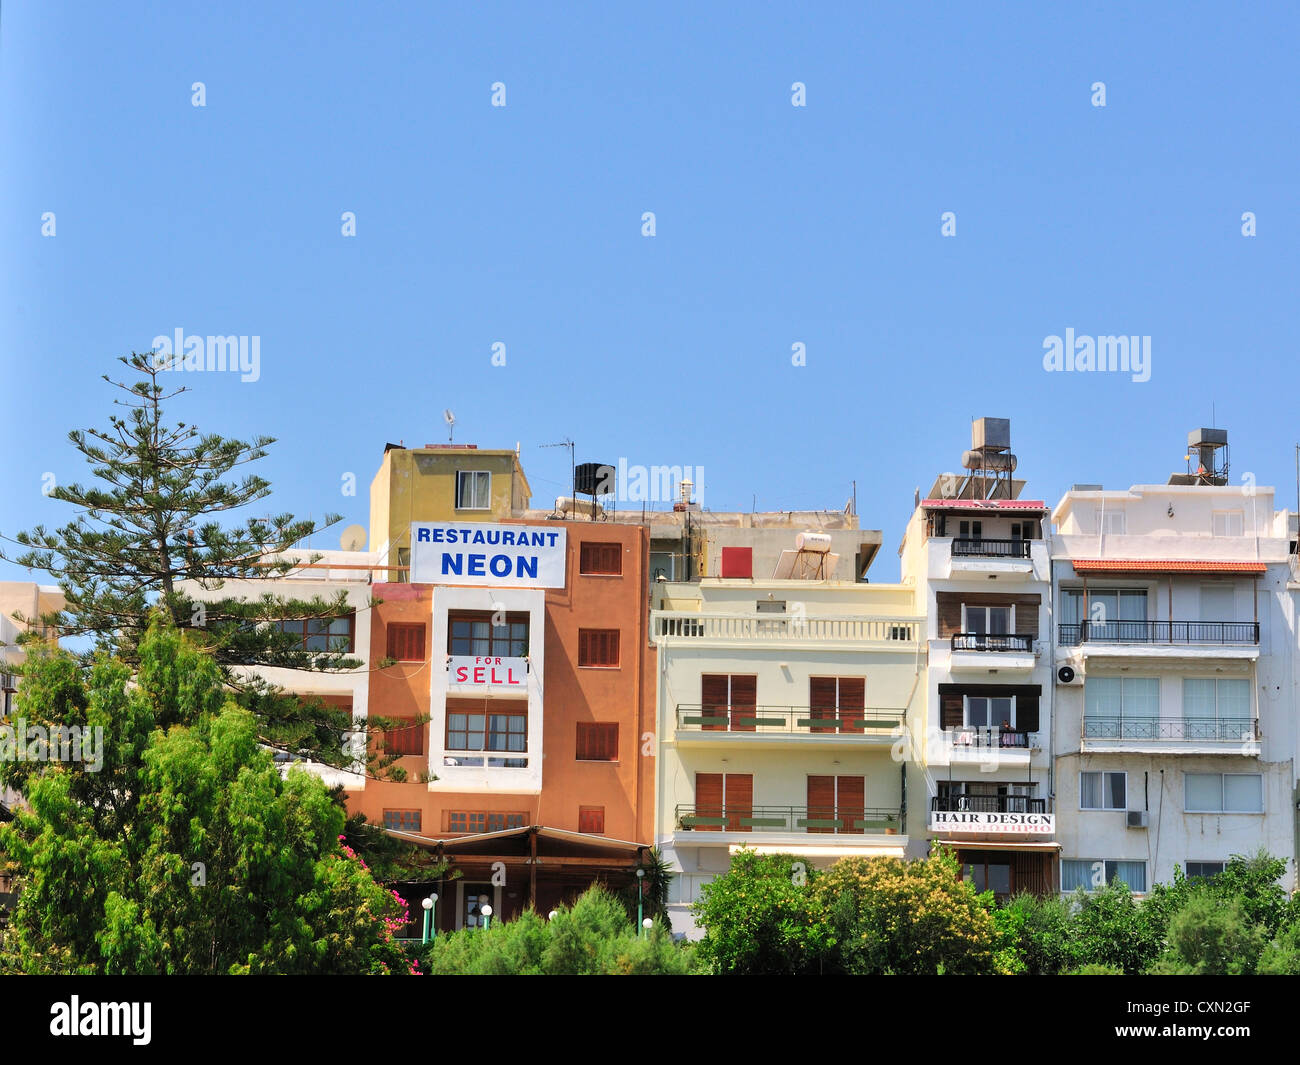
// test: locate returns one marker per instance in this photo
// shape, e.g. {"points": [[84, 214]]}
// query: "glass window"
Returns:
{"points": [[474, 634], [1103, 791], [1204, 869], [1092, 875], [473, 490], [320, 634], [985, 712], [1213, 793]]}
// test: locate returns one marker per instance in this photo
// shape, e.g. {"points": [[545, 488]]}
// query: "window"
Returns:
{"points": [[729, 701], [1109, 520], [988, 620], [1103, 791], [474, 634], [404, 739], [1204, 869], [989, 712], [402, 820], [473, 490], [1092, 875], [591, 819], [1226, 523], [836, 804], [320, 634], [1223, 793], [724, 802], [499, 731], [1108, 608], [839, 701], [970, 530], [1217, 708], [598, 647], [601, 559], [597, 741], [406, 641], [1121, 707], [483, 821]]}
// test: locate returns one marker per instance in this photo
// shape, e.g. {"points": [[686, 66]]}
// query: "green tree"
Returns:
{"points": [[890, 916], [1108, 928], [1040, 932], [760, 917], [184, 850], [154, 528], [1212, 937]]}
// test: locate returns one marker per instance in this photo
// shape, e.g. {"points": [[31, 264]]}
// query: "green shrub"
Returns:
{"points": [[1212, 937], [1095, 969], [1038, 930]]}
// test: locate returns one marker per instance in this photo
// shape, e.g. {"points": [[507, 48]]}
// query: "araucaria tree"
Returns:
{"points": [[181, 848], [155, 528]]}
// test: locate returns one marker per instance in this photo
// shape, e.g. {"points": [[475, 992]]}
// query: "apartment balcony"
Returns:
{"points": [[785, 726], [1173, 735], [860, 822], [1012, 559], [1006, 652], [979, 547], [743, 629], [1162, 639], [991, 815], [985, 745]]}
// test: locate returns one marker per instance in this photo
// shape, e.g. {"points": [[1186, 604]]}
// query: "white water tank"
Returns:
{"points": [[819, 543]]}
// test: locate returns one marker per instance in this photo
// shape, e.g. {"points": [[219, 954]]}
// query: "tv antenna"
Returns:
{"points": [[573, 475], [450, 419]]}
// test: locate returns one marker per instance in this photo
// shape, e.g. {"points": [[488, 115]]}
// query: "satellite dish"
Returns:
{"points": [[353, 538], [450, 419]]}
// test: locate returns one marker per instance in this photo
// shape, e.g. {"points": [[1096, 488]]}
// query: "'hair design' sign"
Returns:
{"points": [[502, 556]]}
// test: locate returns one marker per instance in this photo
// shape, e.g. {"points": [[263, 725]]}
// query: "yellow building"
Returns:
{"points": [[440, 483]]}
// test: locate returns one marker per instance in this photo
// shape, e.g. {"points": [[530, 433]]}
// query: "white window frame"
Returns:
{"points": [[1247, 813], [460, 494], [1110, 520], [1227, 516], [965, 710], [1011, 617], [1103, 773]]}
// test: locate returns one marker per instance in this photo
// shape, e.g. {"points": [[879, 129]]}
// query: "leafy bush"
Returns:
{"points": [[1282, 956], [1109, 928], [1095, 969], [890, 916], [1210, 937], [760, 917], [592, 938], [1038, 930]]}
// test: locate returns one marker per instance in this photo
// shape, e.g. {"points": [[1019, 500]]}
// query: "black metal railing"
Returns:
{"points": [[796, 720], [987, 641], [983, 548], [988, 736], [1211, 632], [736, 817], [1184, 729], [989, 804]]}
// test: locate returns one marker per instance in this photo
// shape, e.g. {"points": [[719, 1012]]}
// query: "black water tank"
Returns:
{"points": [[593, 479]]}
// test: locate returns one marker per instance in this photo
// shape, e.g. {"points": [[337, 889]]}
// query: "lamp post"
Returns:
{"points": [[552, 915], [647, 924], [487, 917], [429, 928], [640, 895]]}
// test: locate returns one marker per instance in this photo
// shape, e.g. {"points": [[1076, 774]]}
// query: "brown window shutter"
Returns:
{"points": [[716, 697], [853, 700], [708, 798], [821, 801], [740, 800], [950, 711], [1027, 713], [850, 806], [744, 697], [406, 641], [821, 702]]}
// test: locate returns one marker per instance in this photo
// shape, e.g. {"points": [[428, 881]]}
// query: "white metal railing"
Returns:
{"points": [[686, 624]]}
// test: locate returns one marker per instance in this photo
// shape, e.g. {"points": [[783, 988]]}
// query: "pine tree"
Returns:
{"points": [[147, 535]]}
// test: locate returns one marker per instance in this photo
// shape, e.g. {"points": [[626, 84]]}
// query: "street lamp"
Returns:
{"points": [[429, 929], [553, 915], [487, 917], [640, 893], [647, 924]]}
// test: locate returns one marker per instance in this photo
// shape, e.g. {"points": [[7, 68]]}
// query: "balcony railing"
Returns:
{"points": [[989, 804], [985, 641], [783, 627], [988, 736], [1183, 729], [1207, 632], [978, 547], [789, 720], [842, 820]]}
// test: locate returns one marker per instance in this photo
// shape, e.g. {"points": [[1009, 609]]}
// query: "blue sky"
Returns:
{"points": [[775, 225]]}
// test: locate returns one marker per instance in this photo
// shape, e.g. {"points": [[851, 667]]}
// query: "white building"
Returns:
{"points": [[1175, 651], [781, 705]]}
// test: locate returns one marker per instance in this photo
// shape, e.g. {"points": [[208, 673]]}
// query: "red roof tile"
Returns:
{"points": [[983, 504], [1164, 565]]}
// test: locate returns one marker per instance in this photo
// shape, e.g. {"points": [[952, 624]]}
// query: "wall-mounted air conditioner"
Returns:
{"points": [[1135, 819]]}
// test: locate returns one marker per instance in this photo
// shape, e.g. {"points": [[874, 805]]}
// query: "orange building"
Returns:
{"points": [[538, 747]]}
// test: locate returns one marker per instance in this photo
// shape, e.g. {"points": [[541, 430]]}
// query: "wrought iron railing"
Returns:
{"points": [[986, 641], [1183, 729], [989, 736], [794, 720], [734, 817], [979, 547], [989, 804], [1211, 632]]}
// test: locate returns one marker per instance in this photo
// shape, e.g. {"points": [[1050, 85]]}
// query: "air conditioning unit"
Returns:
{"points": [[1066, 675], [1135, 819]]}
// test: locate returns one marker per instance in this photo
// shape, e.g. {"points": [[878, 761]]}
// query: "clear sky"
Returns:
{"points": [[775, 225]]}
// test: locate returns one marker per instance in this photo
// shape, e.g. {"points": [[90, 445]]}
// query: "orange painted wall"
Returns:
{"points": [[573, 693]]}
